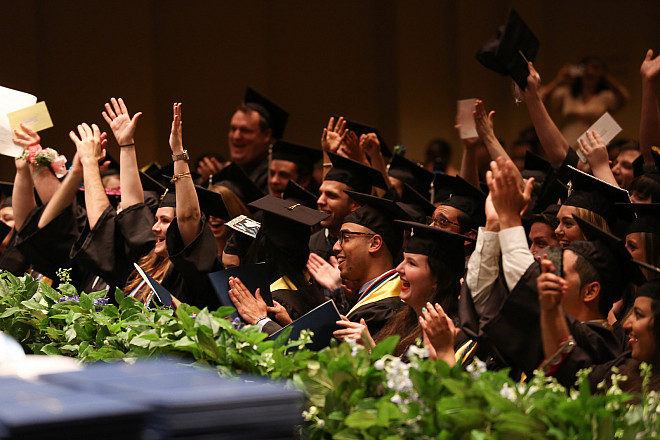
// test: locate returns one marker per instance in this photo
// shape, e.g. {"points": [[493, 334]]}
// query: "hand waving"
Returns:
{"points": [[89, 145], [333, 135], [122, 125]]}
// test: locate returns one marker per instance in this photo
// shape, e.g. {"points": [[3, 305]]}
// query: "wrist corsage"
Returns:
{"points": [[46, 157]]}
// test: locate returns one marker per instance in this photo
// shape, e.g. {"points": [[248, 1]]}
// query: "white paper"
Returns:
{"points": [[606, 127], [10, 101], [465, 119]]}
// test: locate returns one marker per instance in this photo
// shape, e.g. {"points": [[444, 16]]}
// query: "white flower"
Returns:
{"points": [[379, 364], [396, 399], [417, 352], [508, 392]]}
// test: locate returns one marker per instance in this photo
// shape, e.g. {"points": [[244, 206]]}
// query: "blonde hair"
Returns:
{"points": [[593, 218]]}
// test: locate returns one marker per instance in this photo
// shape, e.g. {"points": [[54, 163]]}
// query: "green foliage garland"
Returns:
{"points": [[352, 393]]}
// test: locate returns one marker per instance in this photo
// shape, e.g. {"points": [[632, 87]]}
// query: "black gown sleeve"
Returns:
{"points": [[187, 279], [47, 249], [377, 313], [103, 249], [135, 224]]}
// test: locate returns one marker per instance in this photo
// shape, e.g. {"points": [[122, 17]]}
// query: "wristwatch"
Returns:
{"points": [[182, 156]]}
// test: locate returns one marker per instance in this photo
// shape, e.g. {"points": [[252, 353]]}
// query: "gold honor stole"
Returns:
{"points": [[388, 285], [285, 283]]}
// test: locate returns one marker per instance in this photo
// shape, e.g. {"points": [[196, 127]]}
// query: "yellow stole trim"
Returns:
{"points": [[285, 283], [390, 289]]}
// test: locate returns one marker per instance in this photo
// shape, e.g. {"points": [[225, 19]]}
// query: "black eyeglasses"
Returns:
{"points": [[440, 222], [345, 234]]}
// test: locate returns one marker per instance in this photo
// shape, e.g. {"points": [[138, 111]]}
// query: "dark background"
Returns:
{"points": [[399, 65]]}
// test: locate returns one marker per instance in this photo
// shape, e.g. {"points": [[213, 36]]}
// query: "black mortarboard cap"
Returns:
{"points": [[357, 176], [298, 154], [415, 204], [150, 169], [411, 173], [6, 189], [470, 200], [361, 129], [298, 194], [536, 167], [609, 256], [275, 115], [168, 199], [150, 184], [5, 229], [378, 214], [442, 186], [431, 241], [555, 184], [648, 217], [650, 289], [234, 178], [164, 174], [595, 195], [638, 164], [294, 212], [287, 224], [211, 203], [503, 53]]}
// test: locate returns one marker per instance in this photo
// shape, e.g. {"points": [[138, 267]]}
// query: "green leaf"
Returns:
{"points": [[49, 293], [362, 419], [386, 346], [85, 301], [10, 311], [33, 305], [51, 349]]}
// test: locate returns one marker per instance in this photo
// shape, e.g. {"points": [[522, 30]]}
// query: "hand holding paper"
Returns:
{"points": [[465, 119], [606, 127]]}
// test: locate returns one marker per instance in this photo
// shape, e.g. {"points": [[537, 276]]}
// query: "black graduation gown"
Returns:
{"points": [[12, 259], [319, 244], [259, 175], [511, 325], [48, 249], [376, 314], [298, 303], [187, 278], [115, 243]]}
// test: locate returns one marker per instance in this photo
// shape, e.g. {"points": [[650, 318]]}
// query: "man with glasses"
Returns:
{"points": [[463, 212], [368, 246]]}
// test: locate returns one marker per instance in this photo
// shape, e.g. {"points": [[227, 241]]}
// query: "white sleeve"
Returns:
{"points": [[516, 256], [483, 267]]}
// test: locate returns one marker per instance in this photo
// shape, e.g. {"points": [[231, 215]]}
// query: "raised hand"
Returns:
{"points": [[351, 148], [207, 167], [650, 66], [483, 121], [89, 146], [533, 84], [440, 331], [251, 308], [507, 193], [333, 135], [326, 274], [370, 144], [26, 137], [176, 135], [119, 120]]}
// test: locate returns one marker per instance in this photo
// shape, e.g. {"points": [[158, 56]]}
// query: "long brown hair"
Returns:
{"points": [[154, 265], [405, 323]]}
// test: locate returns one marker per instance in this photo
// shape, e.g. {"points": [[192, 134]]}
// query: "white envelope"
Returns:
{"points": [[464, 117], [606, 127], [10, 101]]}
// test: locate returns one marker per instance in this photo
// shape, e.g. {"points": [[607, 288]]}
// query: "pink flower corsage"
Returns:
{"points": [[46, 157]]}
